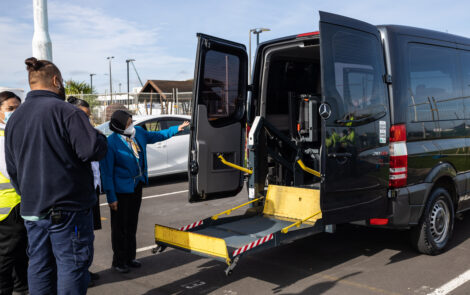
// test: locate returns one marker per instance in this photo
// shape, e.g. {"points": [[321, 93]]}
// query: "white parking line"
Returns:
{"points": [[453, 284], [145, 248], [156, 196]]}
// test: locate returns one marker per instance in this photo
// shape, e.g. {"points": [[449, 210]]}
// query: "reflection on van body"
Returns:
{"points": [[391, 143]]}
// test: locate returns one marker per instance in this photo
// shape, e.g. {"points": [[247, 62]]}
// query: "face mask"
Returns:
{"points": [[130, 131], [7, 116]]}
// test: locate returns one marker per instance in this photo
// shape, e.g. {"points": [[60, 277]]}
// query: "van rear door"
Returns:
{"points": [[218, 118], [356, 121]]}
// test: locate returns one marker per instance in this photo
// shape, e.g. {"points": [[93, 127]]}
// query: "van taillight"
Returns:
{"points": [[398, 156]]}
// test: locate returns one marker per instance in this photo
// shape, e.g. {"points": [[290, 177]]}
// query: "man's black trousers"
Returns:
{"points": [[124, 226]]}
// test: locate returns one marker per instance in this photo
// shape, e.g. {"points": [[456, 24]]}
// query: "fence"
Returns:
{"points": [[103, 105]]}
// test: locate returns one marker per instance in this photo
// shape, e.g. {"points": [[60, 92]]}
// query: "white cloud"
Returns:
{"points": [[82, 38]]}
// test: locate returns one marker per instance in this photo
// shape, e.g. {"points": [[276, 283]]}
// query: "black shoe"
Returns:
{"points": [[91, 284], [135, 263], [94, 276], [122, 268]]}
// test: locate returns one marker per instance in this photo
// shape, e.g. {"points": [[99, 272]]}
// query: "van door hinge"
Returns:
{"points": [[249, 87], [387, 79]]}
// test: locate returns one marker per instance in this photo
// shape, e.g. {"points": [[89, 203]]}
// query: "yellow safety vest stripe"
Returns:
{"points": [[8, 196]]}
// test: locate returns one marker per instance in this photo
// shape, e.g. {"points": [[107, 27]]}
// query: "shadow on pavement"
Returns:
{"points": [[150, 265], [285, 265], [168, 179]]}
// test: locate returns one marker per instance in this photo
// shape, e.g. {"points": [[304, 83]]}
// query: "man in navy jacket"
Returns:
{"points": [[49, 146]]}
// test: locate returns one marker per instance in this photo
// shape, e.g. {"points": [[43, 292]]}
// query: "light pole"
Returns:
{"points": [[127, 62], [256, 31], [110, 78], [91, 82]]}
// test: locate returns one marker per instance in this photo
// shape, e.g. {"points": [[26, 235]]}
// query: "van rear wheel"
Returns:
{"points": [[436, 225]]}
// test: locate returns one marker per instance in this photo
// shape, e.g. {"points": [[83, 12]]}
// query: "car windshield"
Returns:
{"points": [[104, 128]]}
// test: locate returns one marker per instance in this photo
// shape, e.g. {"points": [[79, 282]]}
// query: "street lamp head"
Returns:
{"points": [[259, 30], [110, 57], [129, 60]]}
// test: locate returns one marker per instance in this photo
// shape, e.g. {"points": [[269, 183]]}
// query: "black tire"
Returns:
{"points": [[436, 225]]}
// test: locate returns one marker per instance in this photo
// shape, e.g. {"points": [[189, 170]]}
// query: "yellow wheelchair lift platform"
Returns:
{"points": [[288, 214]]}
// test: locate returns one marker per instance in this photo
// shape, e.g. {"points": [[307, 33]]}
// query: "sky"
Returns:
{"points": [[161, 35]]}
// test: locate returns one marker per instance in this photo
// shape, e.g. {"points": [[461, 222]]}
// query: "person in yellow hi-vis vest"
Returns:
{"points": [[13, 238]]}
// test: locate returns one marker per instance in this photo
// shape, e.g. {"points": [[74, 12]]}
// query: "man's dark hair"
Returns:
{"points": [[7, 95], [40, 71], [78, 102]]}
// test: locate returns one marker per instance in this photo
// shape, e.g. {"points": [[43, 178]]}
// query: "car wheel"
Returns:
{"points": [[436, 225]]}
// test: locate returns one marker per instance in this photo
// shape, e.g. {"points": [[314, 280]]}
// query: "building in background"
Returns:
{"points": [[166, 97]]}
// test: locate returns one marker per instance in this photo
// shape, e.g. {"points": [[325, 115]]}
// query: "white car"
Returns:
{"points": [[164, 157]]}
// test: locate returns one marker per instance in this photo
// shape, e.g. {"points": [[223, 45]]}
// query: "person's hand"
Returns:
{"points": [[113, 205], [181, 127]]}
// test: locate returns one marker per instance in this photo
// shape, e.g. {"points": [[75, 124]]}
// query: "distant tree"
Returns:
{"points": [[75, 87], [83, 90]]}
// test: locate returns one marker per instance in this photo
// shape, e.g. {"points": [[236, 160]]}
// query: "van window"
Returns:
{"points": [[358, 90], [220, 91], [434, 87], [465, 58]]}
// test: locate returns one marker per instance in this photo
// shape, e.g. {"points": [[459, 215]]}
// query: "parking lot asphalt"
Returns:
{"points": [[354, 260]]}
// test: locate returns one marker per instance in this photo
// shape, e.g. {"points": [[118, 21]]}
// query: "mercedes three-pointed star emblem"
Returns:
{"points": [[324, 110]]}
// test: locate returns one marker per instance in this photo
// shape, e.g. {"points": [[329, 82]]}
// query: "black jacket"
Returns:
{"points": [[49, 145]]}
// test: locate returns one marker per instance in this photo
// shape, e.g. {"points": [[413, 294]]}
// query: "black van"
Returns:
{"points": [[379, 111]]}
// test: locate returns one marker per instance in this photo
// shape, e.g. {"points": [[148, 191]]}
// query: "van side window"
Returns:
{"points": [[220, 89], [359, 90], [465, 58], [434, 85]]}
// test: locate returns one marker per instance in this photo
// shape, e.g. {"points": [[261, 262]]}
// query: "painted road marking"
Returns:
{"points": [[453, 284], [146, 248], [156, 196], [194, 284]]}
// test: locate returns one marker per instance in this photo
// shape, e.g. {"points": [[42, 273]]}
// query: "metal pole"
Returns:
{"points": [[127, 61], [91, 82], [110, 79], [249, 57], [42, 45]]}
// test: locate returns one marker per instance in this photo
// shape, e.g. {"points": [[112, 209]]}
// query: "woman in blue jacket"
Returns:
{"points": [[123, 173]]}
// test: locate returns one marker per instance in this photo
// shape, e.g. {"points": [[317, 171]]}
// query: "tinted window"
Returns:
{"points": [[434, 88], [175, 122], [465, 57], [220, 91], [358, 90], [153, 125]]}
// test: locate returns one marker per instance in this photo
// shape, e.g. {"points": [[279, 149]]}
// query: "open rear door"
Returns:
{"points": [[356, 121], [218, 118]]}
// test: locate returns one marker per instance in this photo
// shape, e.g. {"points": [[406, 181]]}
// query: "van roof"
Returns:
{"points": [[431, 34], [393, 29]]}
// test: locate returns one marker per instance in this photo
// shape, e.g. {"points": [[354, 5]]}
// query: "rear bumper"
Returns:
{"points": [[408, 204]]}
